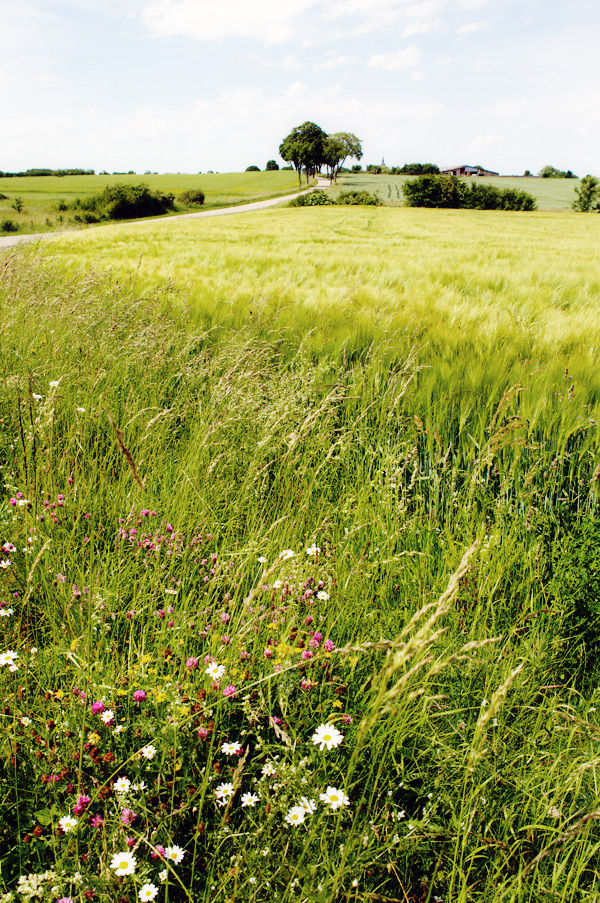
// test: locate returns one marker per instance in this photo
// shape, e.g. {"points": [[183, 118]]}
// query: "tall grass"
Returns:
{"points": [[440, 608]]}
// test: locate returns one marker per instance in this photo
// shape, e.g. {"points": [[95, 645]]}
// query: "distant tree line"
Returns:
{"points": [[409, 169], [308, 148], [48, 172], [551, 172], [454, 193]]}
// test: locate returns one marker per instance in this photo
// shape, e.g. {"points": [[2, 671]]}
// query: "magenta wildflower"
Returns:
{"points": [[158, 852], [139, 696], [192, 663], [81, 804], [97, 707], [96, 821], [128, 817], [202, 733], [328, 646], [229, 690]]}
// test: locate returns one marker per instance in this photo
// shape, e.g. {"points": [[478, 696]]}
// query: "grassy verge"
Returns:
{"points": [[286, 624]]}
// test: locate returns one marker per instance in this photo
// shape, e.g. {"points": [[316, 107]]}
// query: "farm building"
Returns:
{"points": [[466, 170]]}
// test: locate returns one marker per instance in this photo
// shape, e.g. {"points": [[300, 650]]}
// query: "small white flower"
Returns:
{"points": [[231, 749], [162, 875], [215, 671], [249, 799], [107, 716], [334, 798], [312, 550], [174, 854], [309, 806], [36, 397], [327, 735], [287, 553], [22, 502], [148, 752], [123, 863], [119, 728], [296, 815], [8, 547], [261, 559], [25, 720], [141, 787], [223, 792], [322, 595], [81, 410], [484, 703], [268, 769], [6, 612], [5, 563], [147, 892], [122, 785], [8, 658], [54, 384], [67, 823]]}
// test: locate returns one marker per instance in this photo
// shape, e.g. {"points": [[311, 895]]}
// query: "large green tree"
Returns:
{"points": [[304, 147], [338, 147], [587, 193]]}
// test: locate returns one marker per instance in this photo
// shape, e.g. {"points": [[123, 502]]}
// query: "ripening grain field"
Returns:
{"points": [[301, 581]]}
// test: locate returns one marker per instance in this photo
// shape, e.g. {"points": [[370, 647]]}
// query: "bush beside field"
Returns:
{"points": [[287, 624]]}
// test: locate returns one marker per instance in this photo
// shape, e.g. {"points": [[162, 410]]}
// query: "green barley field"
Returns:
{"points": [[43, 196], [300, 587]]}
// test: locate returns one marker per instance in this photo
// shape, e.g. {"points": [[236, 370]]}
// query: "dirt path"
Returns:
{"points": [[9, 240]]}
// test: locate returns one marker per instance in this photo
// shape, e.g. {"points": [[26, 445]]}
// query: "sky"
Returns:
{"points": [[198, 85]]}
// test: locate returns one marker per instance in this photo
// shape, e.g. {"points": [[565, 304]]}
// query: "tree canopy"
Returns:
{"points": [[304, 147], [338, 147]]}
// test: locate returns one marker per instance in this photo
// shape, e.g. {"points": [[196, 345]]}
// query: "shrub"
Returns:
{"points": [[126, 202], [192, 198], [451, 192], [8, 225], [587, 192], [252, 169], [362, 198], [272, 166], [3, 197], [313, 199]]}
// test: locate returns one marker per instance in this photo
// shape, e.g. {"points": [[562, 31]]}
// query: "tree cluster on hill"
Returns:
{"points": [[452, 192], [47, 172], [409, 169], [308, 148], [551, 172]]}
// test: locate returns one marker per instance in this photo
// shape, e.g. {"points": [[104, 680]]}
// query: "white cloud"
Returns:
{"points": [[472, 27], [402, 59], [414, 28], [338, 62], [213, 20]]}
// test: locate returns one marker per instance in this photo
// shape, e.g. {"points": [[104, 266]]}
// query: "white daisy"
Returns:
{"points": [[334, 798], [295, 816], [122, 785], [174, 854], [327, 735], [67, 823], [249, 799], [147, 892], [231, 749], [215, 671], [287, 553], [123, 863]]}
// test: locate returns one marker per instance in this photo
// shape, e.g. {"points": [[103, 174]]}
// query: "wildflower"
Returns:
{"points": [[5, 564], [192, 663], [295, 816], [82, 411], [249, 799], [65, 900], [322, 595], [82, 803], [309, 806], [123, 863], [287, 553], [36, 397], [107, 716], [147, 892], [128, 817], [97, 708], [223, 792], [25, 721], [328, 646], [277, 584], [229, 690], [268, 769], [67, 823], [118, 729], [261, 559], [8, 658], [122, 785], [96, 821], [215, 671], [334, 798], [231, 749], [174, 854], [313, 550], [327, 735], [148, 752], [139, 696], [162, 875], [54, 383]]}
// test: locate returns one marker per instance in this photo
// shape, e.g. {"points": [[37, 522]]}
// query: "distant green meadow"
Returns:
{"points": [[41, 195], [550, 194]]}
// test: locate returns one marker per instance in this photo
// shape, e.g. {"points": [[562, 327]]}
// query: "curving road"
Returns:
{"points": [[9, 240]]}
